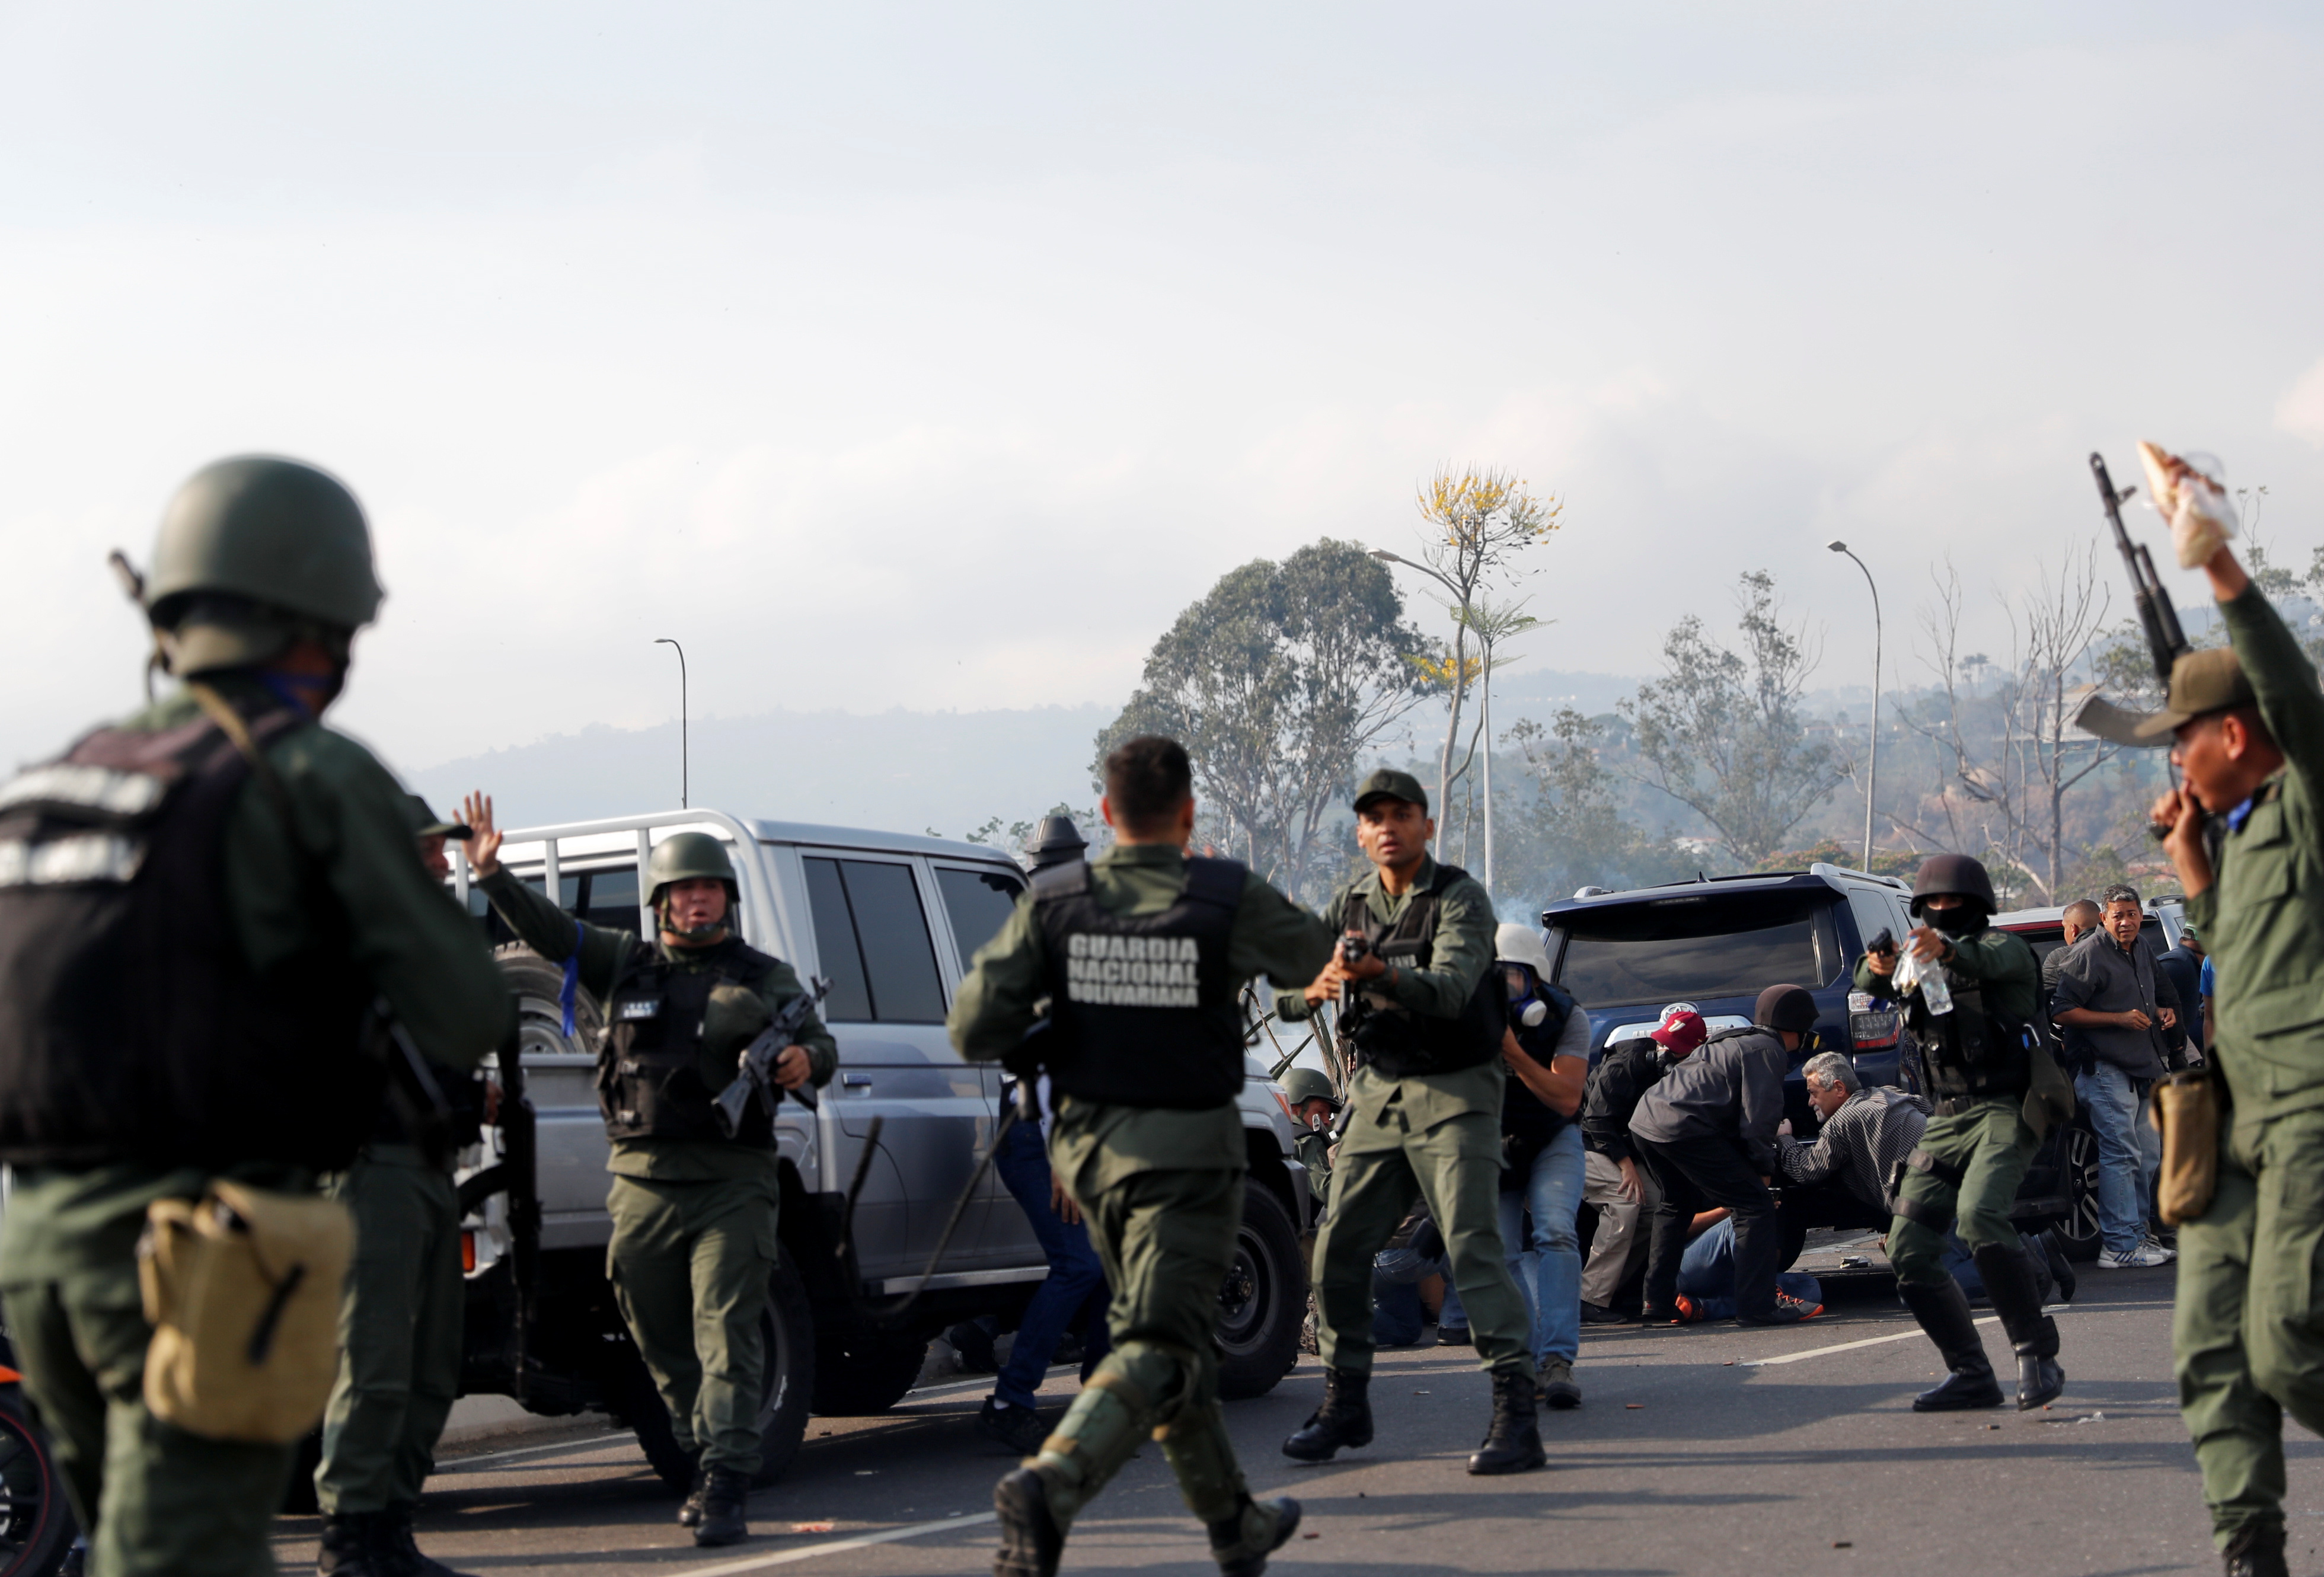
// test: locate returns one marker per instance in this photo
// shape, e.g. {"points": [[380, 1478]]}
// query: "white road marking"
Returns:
{"points": [[586, 1443], [1845, 1347], [836, 1547]]}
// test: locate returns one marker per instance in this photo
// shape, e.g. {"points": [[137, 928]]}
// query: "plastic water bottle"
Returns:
{"points": [[1935, 995]]}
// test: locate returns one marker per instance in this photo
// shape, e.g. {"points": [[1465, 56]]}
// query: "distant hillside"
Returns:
{"points": [[897, 771]]}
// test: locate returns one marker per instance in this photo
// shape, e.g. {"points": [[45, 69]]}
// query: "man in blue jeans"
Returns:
{"points": [[2114, 1006], [1547, 1054], [1074, 1289]]}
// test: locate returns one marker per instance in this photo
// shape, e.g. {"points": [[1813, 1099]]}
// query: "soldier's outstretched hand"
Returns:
{"points": [[484, 842]]}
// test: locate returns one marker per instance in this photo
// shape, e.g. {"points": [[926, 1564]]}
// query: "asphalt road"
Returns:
{"points": [[1704, 1449]]}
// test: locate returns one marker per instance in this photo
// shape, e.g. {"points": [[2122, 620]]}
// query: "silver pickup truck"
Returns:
{"points": [[891, 922]]}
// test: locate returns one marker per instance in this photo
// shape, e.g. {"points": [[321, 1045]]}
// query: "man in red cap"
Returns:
{"points": [[1614, 1179]]}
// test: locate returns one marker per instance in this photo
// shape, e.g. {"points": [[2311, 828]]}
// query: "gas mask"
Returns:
{"points": [[1526, 1005]]}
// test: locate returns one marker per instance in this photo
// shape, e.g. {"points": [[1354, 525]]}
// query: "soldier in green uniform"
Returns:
{"points": [[400, 1321], [1142, 952], [1423, 1033], [694, 1212], [1309, 1093], [251, 872], [1997, 1090], [2246, 727]]}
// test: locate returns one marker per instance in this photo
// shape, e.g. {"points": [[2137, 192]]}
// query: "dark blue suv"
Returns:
{"points": [[1718, 943]]}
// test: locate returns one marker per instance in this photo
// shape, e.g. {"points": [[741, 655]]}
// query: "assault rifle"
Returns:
{"points": [[2164, 639], [756, 1079], [2166, 642]]}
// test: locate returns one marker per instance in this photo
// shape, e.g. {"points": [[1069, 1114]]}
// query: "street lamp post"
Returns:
{"points": [[1872, 765], [684, 768], [1484, 709]]}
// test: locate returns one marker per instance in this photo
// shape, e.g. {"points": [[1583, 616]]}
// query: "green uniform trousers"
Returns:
{"points": [[401, 1328], [1167, 1240], [1992, 1147], [689, 1263], [2248, 1339], [163, 1503], [1451, 1157]]}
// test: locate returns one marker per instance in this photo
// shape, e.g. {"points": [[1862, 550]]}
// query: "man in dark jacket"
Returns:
{"points": [[1708, 1132], [2119, 1007], [1614, 1180]]}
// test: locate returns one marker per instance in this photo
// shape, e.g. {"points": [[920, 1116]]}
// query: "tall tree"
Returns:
{"points": [[1722, 731], [1474, 525], [1277, 682]]}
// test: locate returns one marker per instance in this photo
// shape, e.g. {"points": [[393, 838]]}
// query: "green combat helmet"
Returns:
{"points": [[253, 552], [684, 857], [1303, 1084]]}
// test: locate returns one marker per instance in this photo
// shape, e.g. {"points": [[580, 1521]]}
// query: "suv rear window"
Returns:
{"points": [[1698, 945]]}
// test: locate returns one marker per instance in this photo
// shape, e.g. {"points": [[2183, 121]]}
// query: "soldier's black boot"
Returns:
{"points": [[723, 1491], [1241, 1544], [1345, 1418], [1513, 1442], [1031, 1541], [690, 1513], [415, 1560], [2009, 1282], [2256, 1551], [360, 1543], [1943, 1310]]}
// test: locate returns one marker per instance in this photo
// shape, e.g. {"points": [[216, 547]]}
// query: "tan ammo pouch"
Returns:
{"points": [[242, 1288], [2186, 1113]]}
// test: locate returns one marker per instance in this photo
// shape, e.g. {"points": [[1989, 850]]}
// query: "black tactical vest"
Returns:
{"points": [[131, 1027], [1142, 1007], [654, 1076], [1381, 1033], [1972, 1052]]}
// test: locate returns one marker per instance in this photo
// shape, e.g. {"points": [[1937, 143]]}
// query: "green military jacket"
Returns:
{"points": [[2263, 914], [2011, 977], [1463, 952], [732, 1022], [351, 819], [1998, 960], [1095, 1145]]}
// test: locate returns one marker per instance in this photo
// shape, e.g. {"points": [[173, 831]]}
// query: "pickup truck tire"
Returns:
{"points": [[863, 1372], [788, 1330], [1263, 1301]]}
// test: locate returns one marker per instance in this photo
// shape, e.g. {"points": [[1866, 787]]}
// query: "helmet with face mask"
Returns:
{"points": [[1521, 946]]}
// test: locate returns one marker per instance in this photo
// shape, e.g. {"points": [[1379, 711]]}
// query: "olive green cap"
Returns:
{"points": [[276, 543], [2202, 682], [1387, 783], [683, 858], [1302, 1085]]}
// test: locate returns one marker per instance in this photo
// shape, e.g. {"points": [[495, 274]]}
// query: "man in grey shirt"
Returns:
{"points": [[1708, 1134], [2116, 1004], [1863, 1134]]}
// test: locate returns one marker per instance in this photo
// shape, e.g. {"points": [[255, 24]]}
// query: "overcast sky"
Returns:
{"points": [[935, 356]]}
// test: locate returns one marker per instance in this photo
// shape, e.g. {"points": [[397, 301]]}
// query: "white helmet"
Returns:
{"points": [[1515, 943]]}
